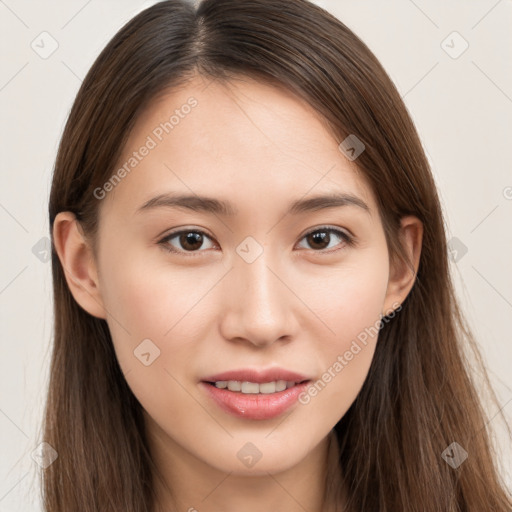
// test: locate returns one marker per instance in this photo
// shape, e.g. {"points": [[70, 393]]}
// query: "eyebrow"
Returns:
{"points": [[211, 205]]}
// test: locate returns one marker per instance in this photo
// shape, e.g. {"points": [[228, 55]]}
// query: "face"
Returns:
{"points": [[193, 291]]}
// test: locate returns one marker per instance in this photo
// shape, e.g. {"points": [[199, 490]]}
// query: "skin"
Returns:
{"points": [[297, 305]]}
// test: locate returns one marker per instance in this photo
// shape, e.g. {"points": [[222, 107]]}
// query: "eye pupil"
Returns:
{"points": [[319, 237], [192, 241], [187, 239]]}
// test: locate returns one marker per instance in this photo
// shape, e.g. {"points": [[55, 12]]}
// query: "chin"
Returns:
{"points": [[256, 458]]}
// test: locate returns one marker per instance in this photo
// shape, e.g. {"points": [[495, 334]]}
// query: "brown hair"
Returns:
{"points": [[418, 397]]}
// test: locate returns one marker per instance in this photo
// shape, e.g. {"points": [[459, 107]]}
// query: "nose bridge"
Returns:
{"points": [[258, 278], [259, 307]]}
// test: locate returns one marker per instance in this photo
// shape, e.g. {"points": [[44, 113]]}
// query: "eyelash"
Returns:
{"points": [[164, 242]]}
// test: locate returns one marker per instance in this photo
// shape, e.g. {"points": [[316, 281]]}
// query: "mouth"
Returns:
{"points": [[252, 400], [255, 388]]}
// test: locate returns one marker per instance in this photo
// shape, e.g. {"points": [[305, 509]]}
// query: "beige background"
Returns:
{"points": [[461, 104]]}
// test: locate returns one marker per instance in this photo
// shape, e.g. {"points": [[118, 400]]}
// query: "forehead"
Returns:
{"points": [[246, 138]]}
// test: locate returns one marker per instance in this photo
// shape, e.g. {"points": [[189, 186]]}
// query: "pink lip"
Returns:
{"points": [[259, 406], [258, 376], [254, 406]]}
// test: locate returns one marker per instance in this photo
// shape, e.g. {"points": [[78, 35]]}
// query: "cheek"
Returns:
{"points": [[351, 306], [147, 297], [351, 298], [156, 315], [178, 307], [152, 300], [151, 331]]}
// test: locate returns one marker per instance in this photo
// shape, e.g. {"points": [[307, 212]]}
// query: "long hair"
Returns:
{"points": [[419, 396]]}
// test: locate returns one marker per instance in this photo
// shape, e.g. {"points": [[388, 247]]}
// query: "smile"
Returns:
{"points": [[254, 401], [254, 387]]}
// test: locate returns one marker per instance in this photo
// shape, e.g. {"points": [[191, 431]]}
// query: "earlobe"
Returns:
{"points": [[403, 273], [78, 263]]}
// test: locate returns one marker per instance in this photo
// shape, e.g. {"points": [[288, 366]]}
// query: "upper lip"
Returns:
{"points": [[257, 375]]}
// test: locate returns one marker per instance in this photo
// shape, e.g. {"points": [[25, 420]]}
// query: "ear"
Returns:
{"points": [[403, 273], [77, 260]]}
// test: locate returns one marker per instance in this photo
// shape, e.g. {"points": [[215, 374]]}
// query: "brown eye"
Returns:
{"points": [[326, 238], [319, 239], [187, 241], [191, 241]]}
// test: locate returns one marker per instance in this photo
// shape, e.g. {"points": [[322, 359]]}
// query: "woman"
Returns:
{"points": [[253, 305]]}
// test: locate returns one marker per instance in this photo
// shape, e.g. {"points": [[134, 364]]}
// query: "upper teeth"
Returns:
{"points": [[254, 387]]}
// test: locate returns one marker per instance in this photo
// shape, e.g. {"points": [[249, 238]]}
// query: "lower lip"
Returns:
{"points": [[255, 406]]}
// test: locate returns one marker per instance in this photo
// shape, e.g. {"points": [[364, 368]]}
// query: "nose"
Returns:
{"points": [[258, 306]]}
